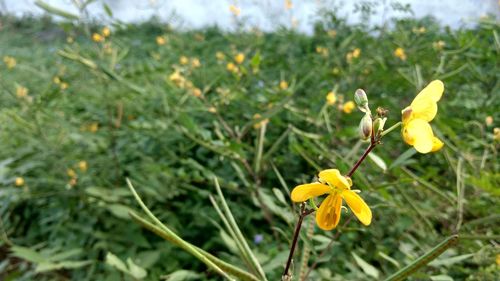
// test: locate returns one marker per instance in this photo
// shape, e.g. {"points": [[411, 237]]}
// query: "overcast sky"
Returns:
{"points": [[266, 14]]}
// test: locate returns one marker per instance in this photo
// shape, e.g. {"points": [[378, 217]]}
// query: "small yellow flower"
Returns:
{"points": [[196, 92], [220, 56], [64, 86], [283, 85], [19, 181], [21, 92], [348, 107], [161, 40], [70, 40], [419, 30], [106, 32], [97, 37], [438, 45], [56, 80], [331, 98], [261, 123], [322, 51], [183, 60], [400, 53], [10, 62], [288, 4], [83, 166], [498, 255], [231, 67], [195, 62], [212, 109], [496, 134], [417, 131], [338, 188], [488, 120], [356, 53], [177, 79], [234, 10], [93, 127], [71, 173], [239, 58], [332, 33]]}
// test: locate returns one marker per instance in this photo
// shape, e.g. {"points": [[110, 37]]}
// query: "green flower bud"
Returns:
{"points": [[378, 125], [365, 127]]}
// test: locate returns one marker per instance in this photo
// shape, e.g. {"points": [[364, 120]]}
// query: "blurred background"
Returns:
{"points": [[258, 94]]}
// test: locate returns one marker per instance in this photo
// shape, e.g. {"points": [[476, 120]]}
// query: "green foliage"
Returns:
{"points": [[124, 115]]}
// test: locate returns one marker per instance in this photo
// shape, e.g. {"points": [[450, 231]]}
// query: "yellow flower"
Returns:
{"points": [[106, 31], [400, 53], [97, 37], [161, 40], [338, 188], [438, 45], [234, 10], [332, 33], [56, 80], [231, 67], [64, 86], [220, 56], [288, 4], [70, 40], [177, 79], [196, 92], [261, 123], [21, 92], [183, 60], [488, 120], [19, 181], [10, 62], [195, 62], [212, 109], [283, 85], [322, 51], [356, 52], [93, 127], [496, 134], [417, 131], [348, 107], [82, 165], [331, 98], [239, 58], [71, 173]]}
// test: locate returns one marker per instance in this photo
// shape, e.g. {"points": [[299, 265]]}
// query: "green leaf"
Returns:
{"points": [[135, 270], [48, 266], [367, 268], [181, 275], [27, 254], [116, 262], [378, 161]]}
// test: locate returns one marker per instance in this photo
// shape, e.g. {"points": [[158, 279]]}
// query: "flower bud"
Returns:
{"points": [[378, 125], [360, 98], [365, 127], [406, 114]]}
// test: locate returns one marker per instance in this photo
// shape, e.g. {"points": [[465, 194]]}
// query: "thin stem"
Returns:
{"points": [[385, 132], [367, 151], [303, 213]]}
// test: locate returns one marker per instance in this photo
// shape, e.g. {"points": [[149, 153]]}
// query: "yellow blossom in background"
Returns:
{"points": [[283, 85], [97, 37], [234, 10], [72, 182], [288, 4], [239, 58], [212, 109], [498, 255], [417, 131], [70, 40], [261, 123], [348, 107], [196, 92], [10, 62], [332, 33], [106, 32], [335, 70], [161, 40], [93, 127], [488, 120], [400, 53], [64, 86], [71, 173], [19, 181], [356, 53], [195, 62], [338, 188], [322, 51], [21, 92], [177, 78], [331, 98], [496, 134], [231, 67], [419, 30], [83, 166], [56, 80], [220, 56], [438, 45], [183, 60]]}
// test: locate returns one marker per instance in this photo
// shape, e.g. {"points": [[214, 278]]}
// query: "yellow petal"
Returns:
{"points": [[328, 214], [303, 192], [433, 91], [334, 178], [358, 206], [437, 144], [419, 134]]}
